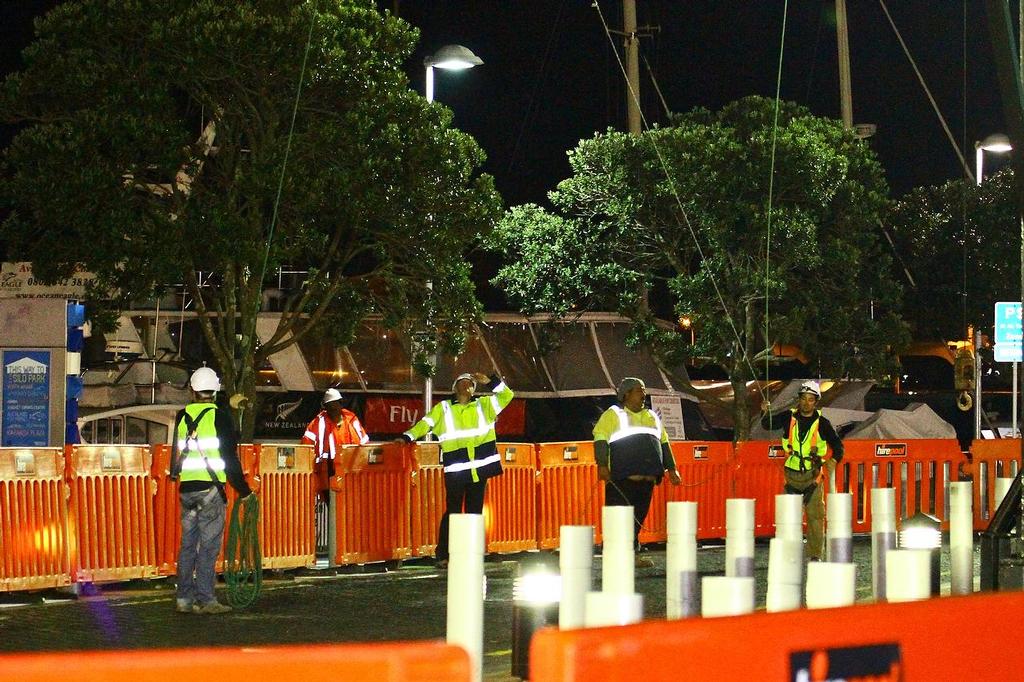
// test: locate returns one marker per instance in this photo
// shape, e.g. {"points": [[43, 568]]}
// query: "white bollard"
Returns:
{"points": [[739, 538], [789, 517], [681, 597], [883, 536], [785, 575], [1002, 487], [908, 574], [726, 596], [961, 537], [831, 584], [840, 527], [617, 554], [576, 561], [611, 608], [466, 587]]}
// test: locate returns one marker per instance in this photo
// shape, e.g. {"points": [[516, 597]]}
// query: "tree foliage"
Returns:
{"points": [[676, 220], [958, 242], [153, 142]]}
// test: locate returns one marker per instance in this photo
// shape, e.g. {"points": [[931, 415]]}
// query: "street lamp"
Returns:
{"points": [[449, 58], [997, 143]]}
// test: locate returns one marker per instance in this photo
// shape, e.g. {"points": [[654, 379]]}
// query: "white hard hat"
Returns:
{"points": [[204, 380], [331, 394], [464, 375], [810, 387]]}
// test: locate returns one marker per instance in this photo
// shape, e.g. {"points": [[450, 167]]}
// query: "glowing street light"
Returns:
{"points": [[996, 143], [449, 58]]}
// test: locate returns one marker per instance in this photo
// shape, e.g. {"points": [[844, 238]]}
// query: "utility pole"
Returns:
{"points": [[632, 45], [845, 94]]}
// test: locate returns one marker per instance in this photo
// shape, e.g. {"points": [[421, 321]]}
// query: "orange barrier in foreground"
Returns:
{"points": [[373, 520], [33, 520], [110, 514], [924, 640], [393, 662], [510, 504]]}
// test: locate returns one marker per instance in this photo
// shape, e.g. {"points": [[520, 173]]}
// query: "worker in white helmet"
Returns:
{"points": [[809, 441], [204, 457], [331, 428]]}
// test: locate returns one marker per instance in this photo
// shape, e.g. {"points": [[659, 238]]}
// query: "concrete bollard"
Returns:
{"points": [[883, 536], [613, 608], [908, 574], [831, 584], [1002, 487], [785, 575], [681, 596], [789, 517], [465, 621], [617, 569], [739, 538], [576, 562], [961, 537], [726, 596], [840, 528]]}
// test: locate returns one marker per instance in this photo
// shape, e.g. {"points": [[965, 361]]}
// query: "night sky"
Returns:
{"points": [[550, 77]]}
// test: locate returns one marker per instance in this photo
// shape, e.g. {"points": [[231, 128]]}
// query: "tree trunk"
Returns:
{"points": [[740, 408]]}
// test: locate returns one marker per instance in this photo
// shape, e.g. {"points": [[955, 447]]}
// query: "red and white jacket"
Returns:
{"points": [[326, 437]]}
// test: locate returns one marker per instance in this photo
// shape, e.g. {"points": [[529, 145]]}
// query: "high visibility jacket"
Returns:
{"points": [[466, 432], [205, 442], [803, 450], [326, 436], [637, 441]]}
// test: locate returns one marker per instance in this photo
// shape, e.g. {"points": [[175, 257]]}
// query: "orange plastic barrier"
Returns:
{"points": [[919, 469], [167, 507], [568, 492], [758, 475], [510, 505], [924, 640], [110, 515], [392, 662], [706, 470], [287, 506], [33, 520], [428, 497], [373, 520], [991, 459]]}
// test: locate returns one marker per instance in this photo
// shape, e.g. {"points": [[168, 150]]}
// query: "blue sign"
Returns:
{"points": [[26, 403], [1008, 334]]}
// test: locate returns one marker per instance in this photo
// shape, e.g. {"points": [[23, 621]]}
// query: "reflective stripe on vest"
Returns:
{"points": [[472, 464], [197, 464], [206, 444], [800, 458], [450, 433], [626, 430]]}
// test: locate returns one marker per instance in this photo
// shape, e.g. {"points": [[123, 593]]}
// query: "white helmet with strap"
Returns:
{"points": [[468, 377], [811, 387], [204, 380]]}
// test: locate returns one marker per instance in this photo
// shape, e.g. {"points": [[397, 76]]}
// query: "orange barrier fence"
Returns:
{"points": [[287, 506], [706, 469], [110, 515], [428, 497], [510, 505], [568, 491], [923, 640], [167, 507], [33, 520], [758, 475], [373, 520], [991, 459], [391, 662]]}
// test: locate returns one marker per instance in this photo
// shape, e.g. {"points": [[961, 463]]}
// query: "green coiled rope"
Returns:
{"points": [[243, 569]]}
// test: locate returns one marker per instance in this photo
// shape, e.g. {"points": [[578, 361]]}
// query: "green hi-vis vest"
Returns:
{"points": [[801, 451], [192, 447]]}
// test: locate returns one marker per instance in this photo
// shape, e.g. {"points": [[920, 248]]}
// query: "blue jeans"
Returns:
{"points": [[202, 530]]}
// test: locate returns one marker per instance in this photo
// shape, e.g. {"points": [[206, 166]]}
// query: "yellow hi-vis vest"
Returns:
{"points": [[801, 451], [204, 442]]}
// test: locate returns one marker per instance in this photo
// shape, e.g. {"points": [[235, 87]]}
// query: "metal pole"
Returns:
{"points": [[1013, 430], [977, 385], [429, 89], [428, 382], [845, 94], [632, 45]]}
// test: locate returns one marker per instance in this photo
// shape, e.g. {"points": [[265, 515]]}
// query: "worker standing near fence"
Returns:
{"points": [[812, 447], [204, 457], [469, 451], [331, 428], [632, 451]]}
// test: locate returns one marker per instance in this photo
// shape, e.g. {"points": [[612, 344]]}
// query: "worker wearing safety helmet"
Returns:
{"points": [[204, 457], [331, 428], [808, 440], [469, 453]]}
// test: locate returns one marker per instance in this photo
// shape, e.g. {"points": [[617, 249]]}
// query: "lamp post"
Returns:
{"points": [[448, 58], [996, 143]]}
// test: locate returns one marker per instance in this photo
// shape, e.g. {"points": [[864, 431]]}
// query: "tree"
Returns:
{"points": [[162, 140], [953, 240], [676, 220]]}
